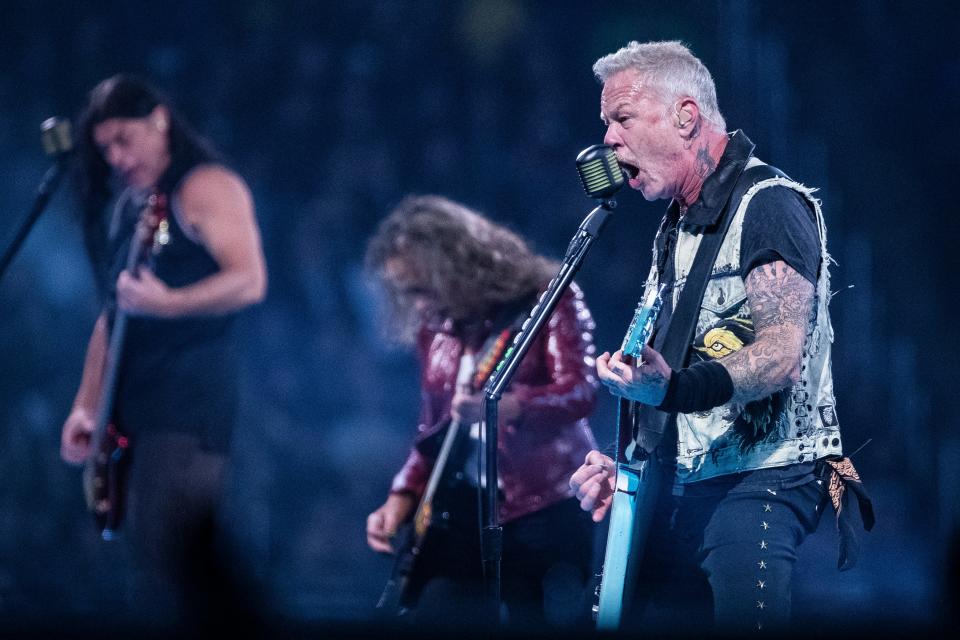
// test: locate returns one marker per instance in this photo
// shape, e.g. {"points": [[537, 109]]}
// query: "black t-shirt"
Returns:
{"points": [[780, 225]]}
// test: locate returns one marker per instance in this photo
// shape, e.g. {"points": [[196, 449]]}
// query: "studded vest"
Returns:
{"points": [[800, 422]]}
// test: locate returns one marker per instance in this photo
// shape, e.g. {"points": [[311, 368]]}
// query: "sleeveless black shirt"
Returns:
{"points": [[175, 375]]}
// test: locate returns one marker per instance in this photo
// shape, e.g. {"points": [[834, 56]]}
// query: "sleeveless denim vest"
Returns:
{"points": [[800, 422]]}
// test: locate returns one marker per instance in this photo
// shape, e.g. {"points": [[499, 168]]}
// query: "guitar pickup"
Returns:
{"points": [[628, 481]]}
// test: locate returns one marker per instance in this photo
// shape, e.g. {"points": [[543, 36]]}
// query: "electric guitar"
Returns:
{"points": [[635, 490], [437, 507], [105, 470]]}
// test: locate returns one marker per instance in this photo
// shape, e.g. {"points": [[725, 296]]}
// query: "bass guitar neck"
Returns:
{"points": [[105, 469]]}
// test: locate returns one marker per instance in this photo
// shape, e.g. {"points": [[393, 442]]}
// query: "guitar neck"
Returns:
{"points": [[439, 469], [108, 384]]}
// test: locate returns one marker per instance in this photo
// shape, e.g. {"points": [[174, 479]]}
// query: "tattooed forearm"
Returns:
{"points": [[781, 302]]}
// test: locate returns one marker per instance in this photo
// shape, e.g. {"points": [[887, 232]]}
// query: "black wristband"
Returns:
{"points": [[700, 387]]}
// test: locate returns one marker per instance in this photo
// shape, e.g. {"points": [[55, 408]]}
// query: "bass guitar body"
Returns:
{"points": [[104, 482]]}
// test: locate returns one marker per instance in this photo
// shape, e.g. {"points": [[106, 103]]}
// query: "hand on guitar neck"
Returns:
{"points": [[594, 483], [467, 408], [645, 382], [383, 523], [144, 294]]}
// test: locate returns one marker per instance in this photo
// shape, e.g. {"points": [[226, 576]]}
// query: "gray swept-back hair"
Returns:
{"points": [[671, 69]]}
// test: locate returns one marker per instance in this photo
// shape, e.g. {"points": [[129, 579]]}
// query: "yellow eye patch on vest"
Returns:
{"points": [[720, 342]]}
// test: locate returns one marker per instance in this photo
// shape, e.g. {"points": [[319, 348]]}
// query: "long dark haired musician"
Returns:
{"points": [[173, 373]]}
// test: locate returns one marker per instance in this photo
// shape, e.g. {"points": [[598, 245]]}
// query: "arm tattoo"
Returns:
{"points": [[781, 303]]}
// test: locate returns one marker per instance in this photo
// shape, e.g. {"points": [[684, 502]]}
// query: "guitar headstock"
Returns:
{"points": [[153, 226]]}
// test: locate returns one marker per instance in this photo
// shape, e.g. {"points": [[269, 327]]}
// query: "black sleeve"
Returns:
{"points": [[780, 225]]}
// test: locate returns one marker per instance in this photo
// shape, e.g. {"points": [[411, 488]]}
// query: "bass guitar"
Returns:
{"points": [[105, 470], [635, 490]]}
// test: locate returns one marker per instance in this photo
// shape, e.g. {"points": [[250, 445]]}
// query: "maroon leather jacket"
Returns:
{"points": [[556, 387]]}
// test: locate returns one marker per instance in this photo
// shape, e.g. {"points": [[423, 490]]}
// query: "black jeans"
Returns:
{"points": [[545, 570], [721, 556], [174, 531]]}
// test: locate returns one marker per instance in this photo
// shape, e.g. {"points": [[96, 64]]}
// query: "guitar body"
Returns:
{"points": [[443, 500], [630, 512], [104, 482], [436, 510], [636, 489]]}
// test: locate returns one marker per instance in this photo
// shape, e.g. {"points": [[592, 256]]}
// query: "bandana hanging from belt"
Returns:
{"points": [[840, 476]]}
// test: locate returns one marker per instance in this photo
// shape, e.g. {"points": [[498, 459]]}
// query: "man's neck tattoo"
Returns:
{"points": [[705, 163]]}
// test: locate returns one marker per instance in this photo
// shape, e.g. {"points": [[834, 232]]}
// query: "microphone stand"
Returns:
{"points": [[54, 142], [491, 536]]}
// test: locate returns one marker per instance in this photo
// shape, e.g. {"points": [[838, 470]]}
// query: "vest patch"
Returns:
{"points": [[828, 415]]}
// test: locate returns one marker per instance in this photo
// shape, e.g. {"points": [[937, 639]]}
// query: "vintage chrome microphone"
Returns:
{"points": [[599, 171], [57, 137], [601, 176], [58, 143]]}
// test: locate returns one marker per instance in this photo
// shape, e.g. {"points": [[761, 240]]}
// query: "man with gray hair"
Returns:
{"points": [[731, 402]]}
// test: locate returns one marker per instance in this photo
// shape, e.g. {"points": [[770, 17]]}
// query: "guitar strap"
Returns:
{"points": [[505, 326], [683, 322]]}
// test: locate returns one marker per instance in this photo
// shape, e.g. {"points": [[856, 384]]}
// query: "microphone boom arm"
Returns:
{"points": [[492, 533], [57, 142], [579, 246], [46, 188]]}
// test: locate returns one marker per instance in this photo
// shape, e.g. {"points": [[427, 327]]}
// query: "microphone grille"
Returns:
{"points": [[56, 136], [599, 171]]}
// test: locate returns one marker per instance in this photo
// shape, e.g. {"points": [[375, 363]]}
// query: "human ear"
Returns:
{"points": [[160, 117], [686, 112]]}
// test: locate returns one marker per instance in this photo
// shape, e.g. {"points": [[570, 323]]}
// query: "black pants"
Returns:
{"points": [[546, 567], [722, 555], [174, 530]]}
